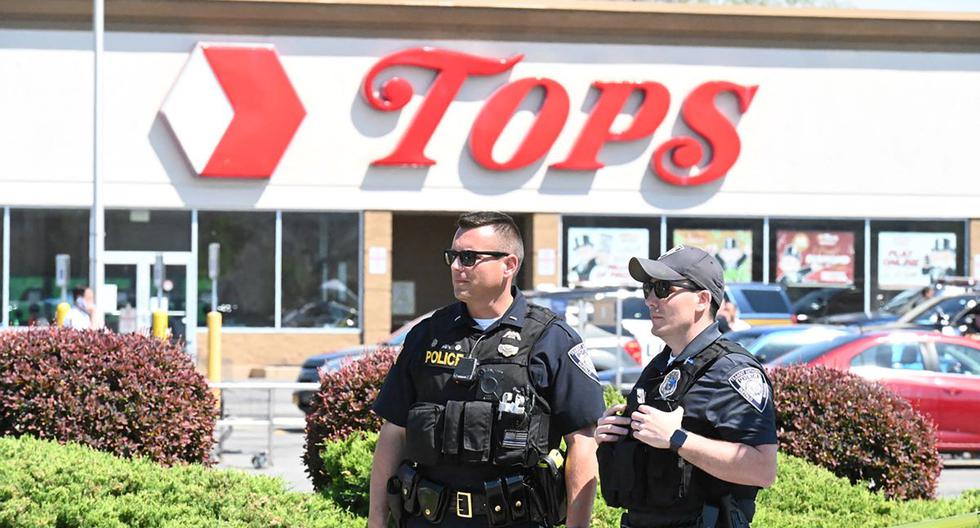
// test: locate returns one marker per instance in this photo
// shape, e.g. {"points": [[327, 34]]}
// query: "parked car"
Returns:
{"points": [[902, 303], [938, 374], [770, 342], [761, 304], [938, 313], [824, 302], [332, 361]]}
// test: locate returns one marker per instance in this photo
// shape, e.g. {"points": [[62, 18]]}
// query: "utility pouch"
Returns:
{"points": [[423, 433], [549, 473], [476, 432], [609, 480], [496, 503], [408, 479], [393, 493], [451, 431], [731, 515], [516, 498], [432, 500]]}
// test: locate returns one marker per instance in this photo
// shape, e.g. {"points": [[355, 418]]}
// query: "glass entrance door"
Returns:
{"points": [[137, 297]]}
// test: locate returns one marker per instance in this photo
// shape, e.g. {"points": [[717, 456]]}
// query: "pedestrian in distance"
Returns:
{"points": [[82, 309], [479, 400], [696, 439]]}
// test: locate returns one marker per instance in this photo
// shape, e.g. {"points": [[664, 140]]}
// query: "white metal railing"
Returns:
{"points": [[271, 422]]}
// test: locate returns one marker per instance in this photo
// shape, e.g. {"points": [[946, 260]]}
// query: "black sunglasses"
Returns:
{"points": [[468, 258], [662, 288]]}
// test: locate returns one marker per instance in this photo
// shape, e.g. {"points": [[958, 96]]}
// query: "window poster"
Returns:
{"points": [[599, 256], [907, 260], [815, 258], [731, 247]]}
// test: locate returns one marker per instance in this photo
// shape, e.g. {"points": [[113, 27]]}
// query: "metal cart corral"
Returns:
{"points": [[249, 415]]}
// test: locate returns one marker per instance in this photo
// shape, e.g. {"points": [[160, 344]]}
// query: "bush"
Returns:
{"points": [[856, 429], [44, 484], [129, 395], [347, 464], [343, 406], [804, 495]]}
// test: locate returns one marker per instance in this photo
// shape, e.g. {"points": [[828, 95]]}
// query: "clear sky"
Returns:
{"points": [[972, 6]]}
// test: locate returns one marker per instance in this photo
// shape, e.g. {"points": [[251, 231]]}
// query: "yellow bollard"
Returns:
{"points": [[214, 351], [159, 324], [61, 313]]}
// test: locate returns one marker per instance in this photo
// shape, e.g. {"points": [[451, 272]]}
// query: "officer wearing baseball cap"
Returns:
{"points": [[696, 439]]}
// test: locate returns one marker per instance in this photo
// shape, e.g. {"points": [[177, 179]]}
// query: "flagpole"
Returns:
{"points": [[97, 215]]}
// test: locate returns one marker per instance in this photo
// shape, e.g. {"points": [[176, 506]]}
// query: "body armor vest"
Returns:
{"points": [[644, 480], [467, 432]]}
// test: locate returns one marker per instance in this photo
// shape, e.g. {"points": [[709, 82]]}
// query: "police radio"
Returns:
{"points": [[465, 371]]}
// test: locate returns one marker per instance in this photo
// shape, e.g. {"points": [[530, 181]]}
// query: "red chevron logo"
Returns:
{"points": [[233, 111]]}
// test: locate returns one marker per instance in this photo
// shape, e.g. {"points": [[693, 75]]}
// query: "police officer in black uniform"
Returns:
{"points": [[696, 439], [479, 399]]}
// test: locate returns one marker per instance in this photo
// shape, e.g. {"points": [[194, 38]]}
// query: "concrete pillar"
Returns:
{"points": [[376, 320], [546, 239]]}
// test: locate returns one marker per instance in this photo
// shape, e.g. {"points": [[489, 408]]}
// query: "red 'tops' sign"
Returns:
{"points": [[453, 68]]}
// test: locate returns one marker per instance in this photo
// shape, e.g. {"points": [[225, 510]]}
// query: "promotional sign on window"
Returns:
{"points": [[907, 260], [815, 258], [599, 256], [731, 247]]}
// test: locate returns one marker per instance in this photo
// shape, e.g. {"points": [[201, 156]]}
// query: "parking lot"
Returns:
{"points": [[287, 449]]}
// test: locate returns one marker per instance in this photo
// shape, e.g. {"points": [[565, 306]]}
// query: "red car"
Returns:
{"points": [[939, 374]]}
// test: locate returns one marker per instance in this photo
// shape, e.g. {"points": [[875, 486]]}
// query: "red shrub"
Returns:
{"points": [[856, 429], [129, 395], [343, 405]]}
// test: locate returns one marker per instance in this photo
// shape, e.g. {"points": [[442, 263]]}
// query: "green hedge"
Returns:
{"points": [[44, 484], [804, 495]]}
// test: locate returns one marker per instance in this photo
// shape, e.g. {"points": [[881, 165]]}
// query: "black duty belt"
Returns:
{"points": [[504, 501]]}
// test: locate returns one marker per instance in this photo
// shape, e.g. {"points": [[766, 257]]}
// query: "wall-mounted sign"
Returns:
{"points": [[599, 256], [233, 110], [815, 258], [678, 161], [907, 260], [732, 248]]}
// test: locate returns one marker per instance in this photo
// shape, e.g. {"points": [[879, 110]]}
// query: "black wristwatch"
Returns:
{"points": [[677, 440]]}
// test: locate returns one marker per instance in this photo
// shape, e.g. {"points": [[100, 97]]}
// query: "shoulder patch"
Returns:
{"points": [[580, 356], [750, 385]]}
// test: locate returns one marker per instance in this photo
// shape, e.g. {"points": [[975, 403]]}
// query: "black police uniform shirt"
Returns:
{"points": [[715, 399], [572, 391]]}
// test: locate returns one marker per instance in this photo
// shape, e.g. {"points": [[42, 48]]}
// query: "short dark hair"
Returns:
{"points": [[78, 292], [502, 224]]}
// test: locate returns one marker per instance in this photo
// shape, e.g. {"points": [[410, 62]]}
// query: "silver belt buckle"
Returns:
{"points": [[464, 505]]}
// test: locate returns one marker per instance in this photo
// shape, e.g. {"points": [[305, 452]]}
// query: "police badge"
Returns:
{"points": [[669, 384]]}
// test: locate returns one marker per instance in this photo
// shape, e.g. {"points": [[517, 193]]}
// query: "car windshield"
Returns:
{"points": [[933, 312], [745, 337], [901, 303], [781, 343], [765, 301], [808, 353]]}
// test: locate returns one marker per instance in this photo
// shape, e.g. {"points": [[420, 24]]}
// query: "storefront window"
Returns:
{"points": [[246, 281], [36, 236], [598, 249], [320, 270], [909, 256], [147, 230], [820, 263], [735, 243]]}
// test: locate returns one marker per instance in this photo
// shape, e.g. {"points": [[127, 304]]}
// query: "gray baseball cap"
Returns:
{"points": [[681, 263]]}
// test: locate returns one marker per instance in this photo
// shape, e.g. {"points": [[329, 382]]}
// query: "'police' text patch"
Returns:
{"points": [[580, 356], [752, 386], [442, 358]]}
